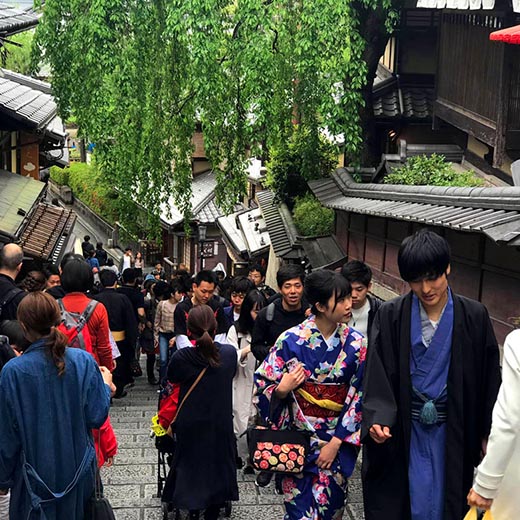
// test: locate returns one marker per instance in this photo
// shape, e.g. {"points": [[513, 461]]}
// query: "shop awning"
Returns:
{"points": [[507, 35]]}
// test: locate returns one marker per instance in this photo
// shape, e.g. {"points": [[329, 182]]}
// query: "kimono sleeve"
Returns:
{"points": [[10, 446], [378, 404], [349, 421], [97, 395], [269, 375]]}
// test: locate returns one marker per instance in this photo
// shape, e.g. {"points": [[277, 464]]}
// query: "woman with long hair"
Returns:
{"points": [[239, 336], [203, 474], [51, 398], [313, 374]]}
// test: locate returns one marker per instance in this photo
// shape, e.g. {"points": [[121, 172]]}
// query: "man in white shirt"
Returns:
{"points": [[364, 305]]}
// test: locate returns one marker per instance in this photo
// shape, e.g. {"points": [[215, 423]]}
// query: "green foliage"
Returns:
{"points": [[431, 171], [18, 59], [307, 156], [311, 218], [138, 75], [88, 185]]}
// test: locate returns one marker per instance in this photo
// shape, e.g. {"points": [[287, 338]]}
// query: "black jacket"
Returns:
{"points": [[473, 383], [10, 298], [375, 303], [265, 332]]}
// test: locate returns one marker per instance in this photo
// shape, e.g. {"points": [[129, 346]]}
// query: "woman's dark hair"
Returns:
{"points": [[39, 313], [13, 330], [322, 285], [245, 322], [77, 276], [241, 284], [34, 281], [423, 255], [202, 324]]}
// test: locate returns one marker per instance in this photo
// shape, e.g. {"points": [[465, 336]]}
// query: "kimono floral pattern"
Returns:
{"points": [[316, 494]]}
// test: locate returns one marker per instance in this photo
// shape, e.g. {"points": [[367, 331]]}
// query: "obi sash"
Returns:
{"points": [[321, 400]]}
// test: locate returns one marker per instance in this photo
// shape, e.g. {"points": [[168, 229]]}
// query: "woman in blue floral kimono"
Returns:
{"points": [[317, 369]]}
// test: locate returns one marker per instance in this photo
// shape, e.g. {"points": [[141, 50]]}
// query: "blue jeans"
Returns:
{"points": [[164, 352]]}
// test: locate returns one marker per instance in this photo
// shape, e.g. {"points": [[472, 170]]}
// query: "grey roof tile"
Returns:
{"points": [[13, 20], [493, 211]]}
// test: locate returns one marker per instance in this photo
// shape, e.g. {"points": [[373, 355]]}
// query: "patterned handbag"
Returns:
{"points": [[278, 451]]}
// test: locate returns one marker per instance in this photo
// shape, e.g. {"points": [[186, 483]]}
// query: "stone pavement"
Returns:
{"points": [[131, 484]]}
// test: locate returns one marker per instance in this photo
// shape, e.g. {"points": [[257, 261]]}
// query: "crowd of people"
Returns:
{"points": [[414, 383]]}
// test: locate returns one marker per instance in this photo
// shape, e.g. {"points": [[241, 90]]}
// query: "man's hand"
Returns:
{"points": [[380, 433], [475, 500], [109, 462], [171, 343], [290, 381], [328, 453]]}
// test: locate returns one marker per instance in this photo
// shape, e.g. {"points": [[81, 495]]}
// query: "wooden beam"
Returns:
{"points": [[502, 106], [475, 125]]}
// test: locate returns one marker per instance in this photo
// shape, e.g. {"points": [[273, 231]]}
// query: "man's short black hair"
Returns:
{"points": [[424, 254], [129, 275], [128, 249], [205, 276], [107, 277], [77, 276], [99, 245], [86, 238], [356, 271], [289, 272], [257, 267]]}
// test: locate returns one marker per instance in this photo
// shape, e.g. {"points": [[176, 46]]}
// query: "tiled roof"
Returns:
{"points": [[13, 20], [17, 197], [492, 211], [415, 103], [30, 102], [47, 232], [282, 237], [203, 188], [209, 213]]}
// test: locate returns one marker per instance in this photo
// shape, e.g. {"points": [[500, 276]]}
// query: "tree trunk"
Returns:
{"points": [[373, 29]]}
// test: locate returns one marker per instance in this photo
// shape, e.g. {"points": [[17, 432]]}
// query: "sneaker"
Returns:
{"points": [[153, 382], [249, 470], [124, 393]]}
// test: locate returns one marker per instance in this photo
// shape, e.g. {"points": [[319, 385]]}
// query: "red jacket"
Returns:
{"points": [[105, 441], [168, 407]]}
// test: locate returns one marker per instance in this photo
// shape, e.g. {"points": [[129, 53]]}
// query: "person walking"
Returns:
{"points": [[139, 264], [11, 258], [239, 336], [51, 398], [203, 474], [164, 336], [498, 478], [314, 374], [431, 382]]}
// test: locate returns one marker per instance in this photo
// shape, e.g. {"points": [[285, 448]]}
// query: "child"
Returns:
{"points": [[364, 305]]}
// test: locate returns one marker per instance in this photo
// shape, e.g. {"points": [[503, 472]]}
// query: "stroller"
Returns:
{"points": [[165, 444]]}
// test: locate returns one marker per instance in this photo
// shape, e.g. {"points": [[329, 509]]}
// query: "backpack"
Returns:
{"points": [[269, 313], [8, 298], [73, 326]]}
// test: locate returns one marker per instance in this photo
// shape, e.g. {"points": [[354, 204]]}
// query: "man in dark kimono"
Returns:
{"points": [[431, 380], [123, 327]]}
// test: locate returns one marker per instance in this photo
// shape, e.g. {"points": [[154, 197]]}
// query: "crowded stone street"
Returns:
{"points": [[131, 484]]}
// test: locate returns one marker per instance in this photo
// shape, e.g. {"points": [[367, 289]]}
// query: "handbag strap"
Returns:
{"points": [[192, 387]]}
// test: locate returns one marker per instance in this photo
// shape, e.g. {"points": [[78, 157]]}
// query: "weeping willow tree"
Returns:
{"points": [[138, 75]]}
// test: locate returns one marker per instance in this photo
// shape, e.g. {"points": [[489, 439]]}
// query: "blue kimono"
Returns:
{"points": [[46, 422], [336, 367], [429, 367]]}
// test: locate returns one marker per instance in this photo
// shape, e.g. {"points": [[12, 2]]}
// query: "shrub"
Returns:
{"points": [[431, 171], [60, 175], [311, 218], [89, 186]]}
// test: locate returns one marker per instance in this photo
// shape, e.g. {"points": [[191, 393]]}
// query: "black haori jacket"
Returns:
{"points": [[473, 383]]}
